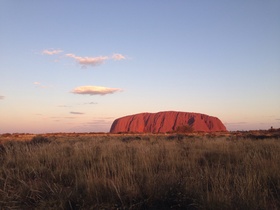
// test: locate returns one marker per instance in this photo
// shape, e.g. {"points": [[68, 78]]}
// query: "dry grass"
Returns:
{"points": [[140, 172]]}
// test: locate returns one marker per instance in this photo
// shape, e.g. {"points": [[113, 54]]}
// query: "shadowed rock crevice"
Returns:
{"points": [[168, 121]]}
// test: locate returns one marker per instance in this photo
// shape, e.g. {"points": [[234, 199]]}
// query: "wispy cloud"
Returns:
{"points": [[63, 117], [85, 61], [99, 122], [91, 103], [2, 97], [95, 90], [59, 119], [77, 113], [64, 106], [51, 52], [38, 84], [117, 56]]}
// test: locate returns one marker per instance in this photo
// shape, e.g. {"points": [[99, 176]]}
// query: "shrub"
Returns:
{"points": [[6, 135], [184, 129], [39, 140]]}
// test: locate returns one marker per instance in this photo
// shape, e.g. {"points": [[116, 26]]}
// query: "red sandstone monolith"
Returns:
{"points": [[168, 121]]}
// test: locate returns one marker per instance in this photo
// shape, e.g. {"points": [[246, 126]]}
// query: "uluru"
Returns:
{"points": [[167, 121]]}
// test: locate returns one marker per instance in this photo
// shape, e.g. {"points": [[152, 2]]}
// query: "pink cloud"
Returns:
{"points": [[118, 57], [51, 52], [95, 90], [86, 61], [2, 97], [93, 61]]}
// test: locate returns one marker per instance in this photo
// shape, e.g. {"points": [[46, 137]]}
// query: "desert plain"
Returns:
{"points": [[197, 170]]}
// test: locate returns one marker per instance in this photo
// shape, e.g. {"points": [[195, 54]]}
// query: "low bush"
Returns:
{"points": [[184, 129], [39, 140]]}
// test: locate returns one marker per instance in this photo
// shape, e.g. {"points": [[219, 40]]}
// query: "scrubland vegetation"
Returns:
{"points": [[140, 172]]}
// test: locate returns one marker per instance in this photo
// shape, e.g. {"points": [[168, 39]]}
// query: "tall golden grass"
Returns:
{"points": [[140, 172]]}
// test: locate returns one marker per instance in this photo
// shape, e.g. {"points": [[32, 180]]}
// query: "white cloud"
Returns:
{"points": [[51, 52], [92, 61], [118, 57], [2, 97], [95, 90]]}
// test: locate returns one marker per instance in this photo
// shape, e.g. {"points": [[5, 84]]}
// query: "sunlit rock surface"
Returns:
{"points": [[168, 121]]}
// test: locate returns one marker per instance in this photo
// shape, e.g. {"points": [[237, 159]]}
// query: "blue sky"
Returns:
{"points": [[75, 66]]}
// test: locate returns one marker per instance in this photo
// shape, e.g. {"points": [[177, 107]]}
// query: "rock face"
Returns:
{"points": [[163, 122]]}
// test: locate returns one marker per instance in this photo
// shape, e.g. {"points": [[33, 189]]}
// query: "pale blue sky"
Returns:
{"points": [[220, 58]]}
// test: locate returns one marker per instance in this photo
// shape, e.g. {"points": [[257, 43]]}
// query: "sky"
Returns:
{"points": [[75, 66]]}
